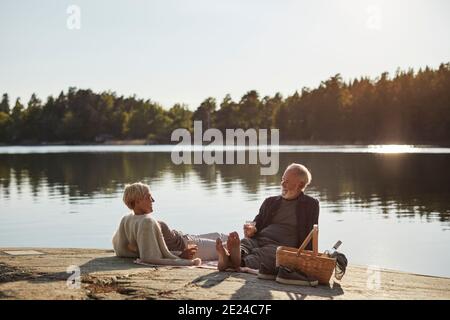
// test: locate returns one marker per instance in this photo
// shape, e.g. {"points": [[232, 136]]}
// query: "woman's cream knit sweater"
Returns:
{"points": [[145, 231]]}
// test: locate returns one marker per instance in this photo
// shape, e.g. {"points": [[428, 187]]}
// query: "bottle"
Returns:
{"points": [[333, 252]]}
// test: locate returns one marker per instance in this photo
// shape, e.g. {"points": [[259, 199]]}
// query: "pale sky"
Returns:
{"points": [[187, 50]]}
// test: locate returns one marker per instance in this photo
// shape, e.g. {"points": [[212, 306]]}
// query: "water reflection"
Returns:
{"points": [[406, 184]]}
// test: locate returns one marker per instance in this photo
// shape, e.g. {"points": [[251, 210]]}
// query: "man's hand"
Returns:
{"points": [[188, 253], [249, 230]]}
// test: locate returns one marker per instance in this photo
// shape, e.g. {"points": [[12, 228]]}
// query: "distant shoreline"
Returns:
{"points": [[142, 142]]}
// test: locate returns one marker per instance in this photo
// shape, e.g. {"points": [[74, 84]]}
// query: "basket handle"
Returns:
{"points": [[314, 235]]}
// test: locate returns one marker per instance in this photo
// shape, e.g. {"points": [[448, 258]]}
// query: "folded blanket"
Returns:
{"points": [[205, 265]]}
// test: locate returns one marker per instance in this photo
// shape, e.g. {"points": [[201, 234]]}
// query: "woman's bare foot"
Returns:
{"points": [[234, 247], [224, 257]]}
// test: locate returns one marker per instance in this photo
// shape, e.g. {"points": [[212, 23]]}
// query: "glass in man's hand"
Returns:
{"points": [[249, 228]]}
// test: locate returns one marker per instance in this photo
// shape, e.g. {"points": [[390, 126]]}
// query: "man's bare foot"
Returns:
{"points": [[234, 247], [224, 257]]}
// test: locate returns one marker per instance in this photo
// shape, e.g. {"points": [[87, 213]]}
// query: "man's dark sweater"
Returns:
{"points": [[283, 229], [306, 213]]}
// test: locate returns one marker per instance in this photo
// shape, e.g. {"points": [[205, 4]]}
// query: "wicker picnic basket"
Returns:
{"points": [[312, 263]]}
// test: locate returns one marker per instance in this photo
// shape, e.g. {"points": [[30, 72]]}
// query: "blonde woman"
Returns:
{"points": [[140, 235]]}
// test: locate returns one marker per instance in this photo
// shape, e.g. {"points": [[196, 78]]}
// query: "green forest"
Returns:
{"points": [[411, 107]]}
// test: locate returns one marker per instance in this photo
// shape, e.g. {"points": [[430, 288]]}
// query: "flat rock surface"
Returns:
{"points": [[31, 275]]}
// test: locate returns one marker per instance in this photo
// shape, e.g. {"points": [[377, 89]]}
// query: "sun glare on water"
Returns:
{"points": [[392, 148]]}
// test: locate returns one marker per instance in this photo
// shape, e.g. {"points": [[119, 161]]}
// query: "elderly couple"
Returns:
{"points": [[284, 220]]}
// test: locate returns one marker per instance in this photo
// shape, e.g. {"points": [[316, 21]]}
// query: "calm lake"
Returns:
{"points": [[389, 205]]}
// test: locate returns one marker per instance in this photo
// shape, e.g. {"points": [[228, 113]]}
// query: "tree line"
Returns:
{"points": [[409, 107]]}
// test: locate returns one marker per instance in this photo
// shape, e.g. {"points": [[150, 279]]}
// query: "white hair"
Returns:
{"points": [[302, 172]]}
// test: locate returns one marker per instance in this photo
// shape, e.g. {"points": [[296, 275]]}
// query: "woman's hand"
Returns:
{"points": [[188, 253], [197, 262], [132, 247]]}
